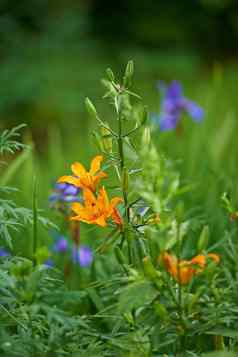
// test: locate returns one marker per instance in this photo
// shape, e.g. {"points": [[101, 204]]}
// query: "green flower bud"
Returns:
{"points": [[151, 272], [146, 137], [203, 239], [128, 74], [106, 139], [110, 74], [91, 108]]}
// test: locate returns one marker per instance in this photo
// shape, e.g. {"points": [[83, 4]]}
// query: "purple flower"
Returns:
{"points": [[64, 192], [61, 245], [4, 253], [82, 255], [173, 105], [49, 263]]}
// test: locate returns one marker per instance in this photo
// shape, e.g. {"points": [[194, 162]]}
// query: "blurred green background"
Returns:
{"points": [[53, 54]]}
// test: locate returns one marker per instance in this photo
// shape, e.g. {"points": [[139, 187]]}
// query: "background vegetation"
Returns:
{"points": [[52, 55]]}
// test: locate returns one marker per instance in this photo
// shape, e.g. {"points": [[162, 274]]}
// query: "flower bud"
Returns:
{"points": [[128, 74], [106, 138], [91, 108], [203, 239], [110, 74], [146, 137], [151, 272]]}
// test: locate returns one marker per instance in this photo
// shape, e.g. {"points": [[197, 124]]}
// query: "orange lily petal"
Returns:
{"points": [[77, 207], [78, 169], [116, 217], [199, 260], [103, 201], [98, 177], [170, 262], [101, 221], [70, 179], [87, 182], [115, 201], [82, 218], [89, 198], [185, 274], [96, 164]]}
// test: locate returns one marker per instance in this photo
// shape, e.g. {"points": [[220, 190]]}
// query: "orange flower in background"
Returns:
{"points": [[85, 179], [97, 210], [181, 271], [214, 257], [184, 270]]}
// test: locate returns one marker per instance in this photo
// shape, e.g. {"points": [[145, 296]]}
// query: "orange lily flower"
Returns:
{"points": [[85, 179], [97, 210], [184, 270]]}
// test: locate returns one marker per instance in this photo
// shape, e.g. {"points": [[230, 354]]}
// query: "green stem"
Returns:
{"points": [[180, 296], [124, 191], [179, 271], [35, 218]]}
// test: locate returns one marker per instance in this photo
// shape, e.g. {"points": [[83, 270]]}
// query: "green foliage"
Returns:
{"points": [[8, 144]]}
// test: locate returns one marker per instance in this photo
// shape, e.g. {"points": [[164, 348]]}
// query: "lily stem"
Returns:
{"points": [[180, 296], [124, 190]]}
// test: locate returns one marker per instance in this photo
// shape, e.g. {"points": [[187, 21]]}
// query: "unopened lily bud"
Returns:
{"points": [[149, 269], [111, 90], [128, 73], [146, 137], [151, 272], [106, 139], [144, 116], [91, 108], [203, 239], [110, 74]]}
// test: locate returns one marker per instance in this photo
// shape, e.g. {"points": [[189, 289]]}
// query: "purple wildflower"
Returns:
{"points": [[173, 105], [82, 255], [49, 263], [64, 192], [4, 253], [61, 245]]}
